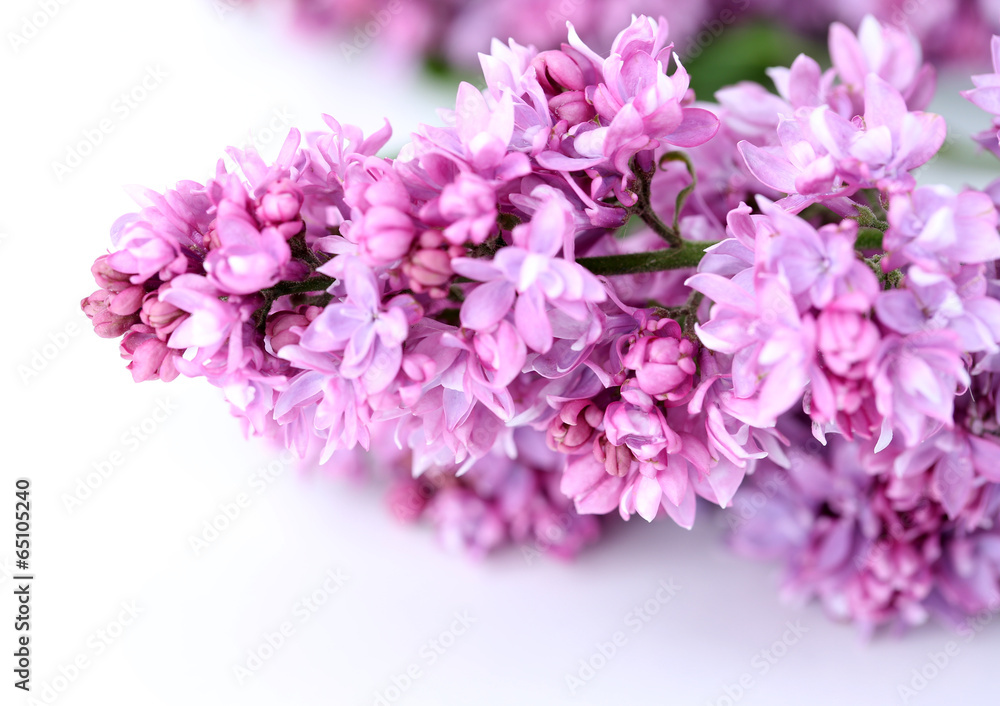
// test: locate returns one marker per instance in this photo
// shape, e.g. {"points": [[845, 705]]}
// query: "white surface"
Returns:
{"points": [[200, 614]]}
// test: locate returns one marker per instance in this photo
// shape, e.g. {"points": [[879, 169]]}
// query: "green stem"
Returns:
{"points": [[687, 254], [644, 209], [678, 156], [659, 227], [869, 239], [318, 283]]}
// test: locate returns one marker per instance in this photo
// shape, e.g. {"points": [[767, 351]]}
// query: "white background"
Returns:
{"points": [[201, 614]]}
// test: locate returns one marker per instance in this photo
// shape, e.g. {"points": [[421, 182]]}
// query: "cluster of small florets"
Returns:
{"points": [[585, 292]]}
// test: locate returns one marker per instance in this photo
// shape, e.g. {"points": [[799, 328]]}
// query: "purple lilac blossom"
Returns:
{"points": [[587, 292]]}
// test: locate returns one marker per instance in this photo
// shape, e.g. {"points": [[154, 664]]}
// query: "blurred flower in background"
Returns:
{"points": [[451, 32]]}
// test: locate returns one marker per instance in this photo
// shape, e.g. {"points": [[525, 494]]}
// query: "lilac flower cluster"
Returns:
{"points": [[855, 531], [881, 327], [587, 292]]}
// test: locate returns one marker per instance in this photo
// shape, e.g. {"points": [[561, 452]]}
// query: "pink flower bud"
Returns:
{"points": [[384, 234], [664, 362], [108, 277], [107, 324], [127, 301], [279, 326], [572, 106], [163, 317], [574, 426], [643, 430], [428, 270], [558, 70], [617, 460], [149, 357], [281, 202]]}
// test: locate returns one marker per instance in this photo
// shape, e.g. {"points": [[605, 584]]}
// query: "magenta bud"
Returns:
{"points": [[617, 460], [162, 317], [108, 277], [574, 426], [281, 202], [428, 269], [128, 301], [106, 323], [572, 107], [557, 71], [663, 362], [279, 326], [385, 234]]}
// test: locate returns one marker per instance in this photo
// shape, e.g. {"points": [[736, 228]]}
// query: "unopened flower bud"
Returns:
{"points": [[663, 362], [281, 203], [107, 324], [558, 71], [617, 460], [572, 106], [574, 426], [279, 326], [108, 277]]}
